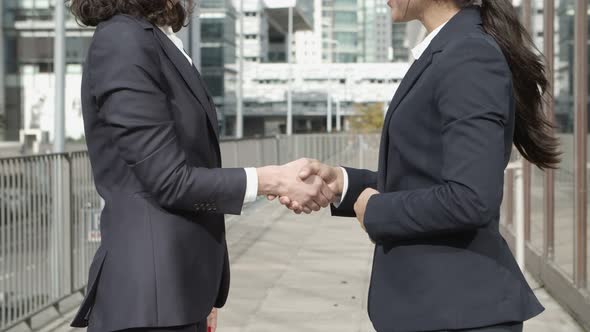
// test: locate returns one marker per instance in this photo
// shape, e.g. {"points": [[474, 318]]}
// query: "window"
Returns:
{"points": [[346, 39], [211, 29], [564, 115], [212, 56], [345, 18]]}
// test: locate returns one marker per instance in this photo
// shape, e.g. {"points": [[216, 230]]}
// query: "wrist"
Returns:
{"points": [[339, 180], [268, 180]]}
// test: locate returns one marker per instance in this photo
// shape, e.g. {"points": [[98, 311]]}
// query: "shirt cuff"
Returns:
{"points": [[344, 188], [251, 185]]}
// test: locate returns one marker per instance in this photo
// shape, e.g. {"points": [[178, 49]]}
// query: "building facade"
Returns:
{"points": [[218, 56], [26, 71], [343, 86], [376, 30], [399, 43], [26, 64]]}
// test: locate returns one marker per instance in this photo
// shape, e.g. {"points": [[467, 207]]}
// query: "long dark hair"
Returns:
{"points": [[157, 12], [533, 137]]}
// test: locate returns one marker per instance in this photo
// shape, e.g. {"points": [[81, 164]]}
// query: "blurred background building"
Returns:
{"points": [[347, 59], [26, 72], [328, 32]]}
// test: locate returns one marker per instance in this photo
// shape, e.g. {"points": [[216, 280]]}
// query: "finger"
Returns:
{"points": [[285, 200], [310, 169], [313, 206], [307, 210], [271, 197], [212, 320], [325, 197], [296, 207], [328, 193], [319, 197]]}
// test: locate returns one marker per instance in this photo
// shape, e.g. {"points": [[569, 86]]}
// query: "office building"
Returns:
{"points": [[266, 27], [26, 65], [313, 86], [400, 48], [218, 55], [26, 70]]}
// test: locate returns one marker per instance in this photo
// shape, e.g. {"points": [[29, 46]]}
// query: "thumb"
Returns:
{"points": [[309, 170]]}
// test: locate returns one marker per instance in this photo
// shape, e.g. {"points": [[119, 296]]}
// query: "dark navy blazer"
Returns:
{"points": [[151, 130], [440, 262]]}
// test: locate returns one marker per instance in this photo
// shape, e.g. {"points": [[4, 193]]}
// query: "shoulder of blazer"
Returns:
{"points": [[123, 29], [119, 42], [127, 19], [127, 34], [472, 45]]}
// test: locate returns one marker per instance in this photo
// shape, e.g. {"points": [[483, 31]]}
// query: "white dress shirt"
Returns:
{"points": [[416, 53], [419, 49], [251, 174]]}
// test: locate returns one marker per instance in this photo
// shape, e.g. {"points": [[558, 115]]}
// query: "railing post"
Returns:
{"points": [[520, 231], [70, 221], [361, 152]]}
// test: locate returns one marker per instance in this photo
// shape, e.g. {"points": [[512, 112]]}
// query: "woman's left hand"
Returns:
{"points": [[212, 321], [360, 206]]}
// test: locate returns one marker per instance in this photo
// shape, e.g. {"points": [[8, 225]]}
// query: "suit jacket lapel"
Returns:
{"points": [[413, 74], [408, 82], [461, 24], [188, 74], [207, 95]]}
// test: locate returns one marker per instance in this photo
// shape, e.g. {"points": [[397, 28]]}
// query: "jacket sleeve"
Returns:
{"points": [[126, 82], [358, 181], [473, 96]]}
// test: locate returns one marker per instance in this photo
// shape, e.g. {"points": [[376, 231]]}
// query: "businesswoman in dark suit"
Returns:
{"points": [[433, 207], [151, 129]]}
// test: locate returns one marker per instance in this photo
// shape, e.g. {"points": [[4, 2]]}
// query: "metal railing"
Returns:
{"points": [[49, 213]]}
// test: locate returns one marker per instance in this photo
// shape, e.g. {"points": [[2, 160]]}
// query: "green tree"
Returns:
{"points": [[367, 118]]}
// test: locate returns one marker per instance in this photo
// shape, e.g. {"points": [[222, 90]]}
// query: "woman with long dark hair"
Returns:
{"points": [[152, 134], [475, 89]]}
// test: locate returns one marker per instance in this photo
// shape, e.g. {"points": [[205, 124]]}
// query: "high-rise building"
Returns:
{"points": [[218, 57], [354, 31], [266, 28], [375, 31], [341, 31], [400, 51]]}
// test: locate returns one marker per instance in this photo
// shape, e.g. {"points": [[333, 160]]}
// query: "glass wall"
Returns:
{"points": [[564, 116], [537, 176], [587, 253], [558, 252]]}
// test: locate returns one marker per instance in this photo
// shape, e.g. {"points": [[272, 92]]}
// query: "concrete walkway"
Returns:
{"points": [[302, 273], [311, 273]]}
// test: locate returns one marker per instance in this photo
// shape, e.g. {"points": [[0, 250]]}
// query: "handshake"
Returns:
{"points": [[304, 185]]}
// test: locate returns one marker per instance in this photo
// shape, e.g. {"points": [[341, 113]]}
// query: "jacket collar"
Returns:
{"points": [[459, 25]]}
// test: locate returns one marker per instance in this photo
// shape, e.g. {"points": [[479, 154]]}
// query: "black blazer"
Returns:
{"points": [[440, 262], [151, 130]]}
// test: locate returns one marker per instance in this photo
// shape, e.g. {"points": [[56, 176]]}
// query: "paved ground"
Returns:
{"points": [[310, 273]]}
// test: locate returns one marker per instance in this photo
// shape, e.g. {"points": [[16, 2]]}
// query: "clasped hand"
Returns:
{"points": [[304, 185]]}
